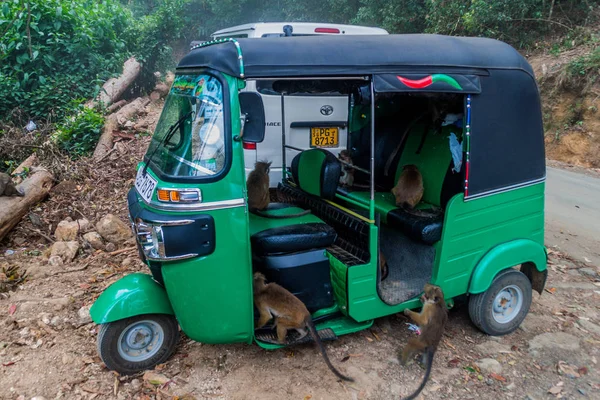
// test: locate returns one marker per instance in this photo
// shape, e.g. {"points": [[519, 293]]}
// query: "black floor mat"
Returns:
{"points": [[410, 266]]}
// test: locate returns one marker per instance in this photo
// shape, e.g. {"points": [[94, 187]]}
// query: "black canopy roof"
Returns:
{"points": [[355, 55]]}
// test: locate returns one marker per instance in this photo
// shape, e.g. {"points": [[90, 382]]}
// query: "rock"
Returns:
{"points": [[67, 359], [136, 384], [46, 318], [512, 386], [155, 378], [95, 240], [38, 398], [555, 340], [66, 231], [128, 124], [84, 224], [19, 241], [113, 230], [155, 96], [55, 321], [591, 272], [589, 326], [488, 365], [492, 347], [84, 315], [127, 262], [55, 261], [67, 251], [141, 126], [110, 247], [3, 277]]}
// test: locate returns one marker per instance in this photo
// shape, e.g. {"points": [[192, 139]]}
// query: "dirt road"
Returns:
{"points": [[573, 213]]}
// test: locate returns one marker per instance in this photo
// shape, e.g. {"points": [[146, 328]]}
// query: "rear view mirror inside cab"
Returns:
{"points": [[253, 115]]}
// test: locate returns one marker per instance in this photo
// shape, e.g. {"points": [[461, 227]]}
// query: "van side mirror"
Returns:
{"points": [[253, 112]]}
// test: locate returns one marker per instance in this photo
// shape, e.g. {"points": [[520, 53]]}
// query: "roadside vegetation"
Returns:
{"points": [[56, 54]]}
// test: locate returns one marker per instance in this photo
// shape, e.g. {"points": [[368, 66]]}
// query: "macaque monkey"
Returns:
{"points": [[383, 266], [7, 187], [273, 300], [347, 178], [258, 191], [409, 189], [431, 321]]}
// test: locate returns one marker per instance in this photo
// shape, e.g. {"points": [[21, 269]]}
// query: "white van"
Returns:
{"points": [[316, 111]]}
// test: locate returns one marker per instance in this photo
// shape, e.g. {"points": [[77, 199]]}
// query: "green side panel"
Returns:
{"points": [[212, 295], [132, 295], [340, 326], [471, 230], [475, 227], [503, 256], [432, 160], [259, 224], [309, 171], [339, 273]]}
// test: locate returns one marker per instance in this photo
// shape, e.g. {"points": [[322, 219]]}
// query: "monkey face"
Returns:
{"points": [[433, 294], [410, 167], [258, 281]]}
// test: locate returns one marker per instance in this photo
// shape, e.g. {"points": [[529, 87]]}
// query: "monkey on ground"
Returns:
{"points": [[431, 321], [258, 191], [347, 178], [383, 266], [7, 187], [409, 189], [273, 300]]}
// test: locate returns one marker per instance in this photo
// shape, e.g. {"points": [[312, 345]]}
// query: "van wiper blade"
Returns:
{"points": [[170, 132]]}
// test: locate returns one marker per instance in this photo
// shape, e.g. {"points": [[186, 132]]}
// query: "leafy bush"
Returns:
{"points": [[80, 132], [54, 50], [588, 65]]}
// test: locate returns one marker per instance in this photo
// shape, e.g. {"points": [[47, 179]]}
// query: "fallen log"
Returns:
{"points": [[112, 122], [25, 165], [115, 106], [115, 87], [12, 209]]}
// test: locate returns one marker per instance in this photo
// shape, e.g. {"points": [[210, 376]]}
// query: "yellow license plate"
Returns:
{"points": [[324, 137]]}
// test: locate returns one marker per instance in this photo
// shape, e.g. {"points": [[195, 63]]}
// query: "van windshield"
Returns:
{"points": [[189, 140]]}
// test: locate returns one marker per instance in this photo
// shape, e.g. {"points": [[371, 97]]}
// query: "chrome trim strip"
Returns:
{"points": [[176, 258], [172, 223], [506, 189], [213, 205]]}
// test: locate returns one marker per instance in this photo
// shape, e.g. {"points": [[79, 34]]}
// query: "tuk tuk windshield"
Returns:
{"points": [[189, 140]]}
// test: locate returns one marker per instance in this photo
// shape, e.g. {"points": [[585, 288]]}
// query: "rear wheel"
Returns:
{"points": [[501, 309], [138, 343]]}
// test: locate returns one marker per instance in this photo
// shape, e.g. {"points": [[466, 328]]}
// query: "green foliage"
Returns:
{"points": [[586, 66], [79, 133], [54, 50]]}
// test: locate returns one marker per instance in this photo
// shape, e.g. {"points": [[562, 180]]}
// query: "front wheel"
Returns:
{"points": [[137, 343], [501, 309]]}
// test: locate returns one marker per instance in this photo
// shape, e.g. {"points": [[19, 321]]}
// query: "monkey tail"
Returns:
{"points": [[429, 360], [317, 339], [265, 215]]}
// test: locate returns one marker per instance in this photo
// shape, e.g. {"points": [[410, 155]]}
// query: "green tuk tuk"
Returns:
{"points": [[465, 111]]}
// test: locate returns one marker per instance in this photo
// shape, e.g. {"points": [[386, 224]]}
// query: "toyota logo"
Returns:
{"points": [[326, 110]]}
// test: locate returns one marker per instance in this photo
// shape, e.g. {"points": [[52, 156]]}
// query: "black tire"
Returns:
{"points": [[108, 343], [481, 305]]}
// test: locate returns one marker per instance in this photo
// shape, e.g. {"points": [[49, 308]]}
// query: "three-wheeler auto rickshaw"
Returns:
{"points": [[465, 111]]}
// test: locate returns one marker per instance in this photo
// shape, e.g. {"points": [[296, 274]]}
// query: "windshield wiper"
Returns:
{"points": [[166, 139]]}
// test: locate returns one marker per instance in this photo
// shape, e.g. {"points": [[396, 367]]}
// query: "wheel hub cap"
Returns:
{"points": [[140, 341], [507, 304]]}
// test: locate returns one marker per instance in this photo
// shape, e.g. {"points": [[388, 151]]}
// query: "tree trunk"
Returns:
{"points": [[115, 87], [112, 122], [13, 208], [27, 164]]}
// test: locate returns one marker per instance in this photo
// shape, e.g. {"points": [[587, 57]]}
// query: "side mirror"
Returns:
{"points": [[253, 111]]}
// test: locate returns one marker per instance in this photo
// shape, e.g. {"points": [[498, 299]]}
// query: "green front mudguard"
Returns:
{"points": [[132, 295]]}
